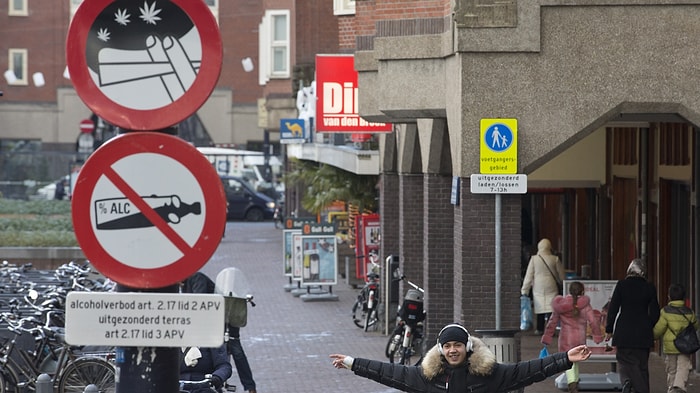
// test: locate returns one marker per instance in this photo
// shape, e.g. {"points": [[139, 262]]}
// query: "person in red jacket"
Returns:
{"points": [[574, 313], [461, 363]]}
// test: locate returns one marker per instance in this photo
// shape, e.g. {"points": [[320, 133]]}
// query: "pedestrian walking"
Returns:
{"points": [[574, 314], [675, 316], [201, 283], [545, 273], [634, 298]]}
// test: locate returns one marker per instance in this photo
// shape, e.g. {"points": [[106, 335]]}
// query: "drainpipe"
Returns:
{"points": [[696, 218], [644, 184]]}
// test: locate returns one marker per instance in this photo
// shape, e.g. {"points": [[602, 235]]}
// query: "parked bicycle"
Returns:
{"points": [[406, 341], [32, 320], [70, 368], [365, 311]]}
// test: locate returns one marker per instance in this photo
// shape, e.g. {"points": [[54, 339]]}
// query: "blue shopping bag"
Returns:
{"points": [[544, 352], [526, 314]]}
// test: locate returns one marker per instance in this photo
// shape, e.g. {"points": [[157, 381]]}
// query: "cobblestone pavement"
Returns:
{"points": [[288, 340]]}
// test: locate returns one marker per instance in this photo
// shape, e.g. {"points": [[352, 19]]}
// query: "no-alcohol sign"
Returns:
{"points": [[148, 209], [144, 65]]}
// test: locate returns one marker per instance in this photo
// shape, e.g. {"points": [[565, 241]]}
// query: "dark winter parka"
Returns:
{"points": [[635, 299], [481, 373], [213, 361]]}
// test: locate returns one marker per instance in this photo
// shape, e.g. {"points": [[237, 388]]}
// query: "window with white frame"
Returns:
{"points": [[343, 7], [18, 8], [274, 46], [17, 63]]}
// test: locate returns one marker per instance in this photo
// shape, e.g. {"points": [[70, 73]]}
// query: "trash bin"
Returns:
{"points": [[505, 344]]}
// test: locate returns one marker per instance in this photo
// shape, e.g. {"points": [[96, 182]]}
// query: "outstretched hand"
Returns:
{"points": [[578, 354], [338, 360]]}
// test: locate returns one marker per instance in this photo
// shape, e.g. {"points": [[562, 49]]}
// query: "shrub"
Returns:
{"points": [[36, 224]]}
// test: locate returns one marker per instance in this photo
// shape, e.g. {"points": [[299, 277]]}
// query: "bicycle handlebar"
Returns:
{"points": [[249, 299], [206, 383], [17, 325], [416, 287]]}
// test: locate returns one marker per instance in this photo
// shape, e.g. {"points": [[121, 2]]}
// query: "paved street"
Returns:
{"points": [[288, 340]]}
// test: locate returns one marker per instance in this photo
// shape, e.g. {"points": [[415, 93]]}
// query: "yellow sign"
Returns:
{"points": [[498, 146]]}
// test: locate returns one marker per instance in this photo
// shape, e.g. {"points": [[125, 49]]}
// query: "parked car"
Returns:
{"points": [[244, 203]]}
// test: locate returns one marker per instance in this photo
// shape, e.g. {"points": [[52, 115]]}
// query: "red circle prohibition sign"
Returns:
{"points": [[111, 170], [189, 95]]}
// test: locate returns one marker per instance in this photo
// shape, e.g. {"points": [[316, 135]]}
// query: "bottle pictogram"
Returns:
{"points": [[120, 213]]}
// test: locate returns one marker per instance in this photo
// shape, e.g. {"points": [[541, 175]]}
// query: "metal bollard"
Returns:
{"points": [[44, 384], [90, 389]]}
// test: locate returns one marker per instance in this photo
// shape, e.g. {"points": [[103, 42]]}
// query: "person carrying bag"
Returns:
{"points": [[541, 268], [676, 327], [687, 339]]}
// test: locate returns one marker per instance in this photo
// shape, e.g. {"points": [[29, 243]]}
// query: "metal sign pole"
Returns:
{"points": [[498, 260], [148, 369]]}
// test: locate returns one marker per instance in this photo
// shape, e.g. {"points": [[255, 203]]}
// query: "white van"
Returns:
{"points": [[246, 164]]}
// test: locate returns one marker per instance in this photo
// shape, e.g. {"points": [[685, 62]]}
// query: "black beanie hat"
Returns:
{"points": [[453, 332]]}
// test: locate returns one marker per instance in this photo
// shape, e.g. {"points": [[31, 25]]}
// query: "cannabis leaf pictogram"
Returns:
{"points": [[103, 34], [149, 14], [122, 17]]}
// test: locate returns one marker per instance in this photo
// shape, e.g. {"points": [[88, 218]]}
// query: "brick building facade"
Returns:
{"points": [[578, 78]]}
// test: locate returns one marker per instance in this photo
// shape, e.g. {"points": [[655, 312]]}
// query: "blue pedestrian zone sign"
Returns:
{"points": [[499, 137], [293, 131], [499, 146]]}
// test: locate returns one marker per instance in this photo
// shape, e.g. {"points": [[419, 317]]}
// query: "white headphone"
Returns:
{"points": [[470, 347]]}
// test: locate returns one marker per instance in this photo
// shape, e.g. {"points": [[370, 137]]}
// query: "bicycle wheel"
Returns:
{"points": [[370, 318], [359, 313], [87, 371], [394, 343], [406, 353], [9, 380]]}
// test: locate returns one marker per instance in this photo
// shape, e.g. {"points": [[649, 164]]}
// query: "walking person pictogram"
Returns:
{"points": [[498, 137]]}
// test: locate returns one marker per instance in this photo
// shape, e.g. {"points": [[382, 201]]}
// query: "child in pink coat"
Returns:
{"points": [[575, 314]]}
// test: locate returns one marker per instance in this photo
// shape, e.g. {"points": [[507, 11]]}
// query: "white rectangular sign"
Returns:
{"points": [[498, 184], [135, 319]]}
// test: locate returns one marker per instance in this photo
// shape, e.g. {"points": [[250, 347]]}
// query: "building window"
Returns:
{"points": [[343, 7], [17, 63], [274, 45], [674, 142], [18, 8], [624, 145]]}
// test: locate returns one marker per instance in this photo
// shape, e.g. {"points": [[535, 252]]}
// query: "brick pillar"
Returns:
{"points": [[438, 251], [389, 213], [477, 231], [411, 228], [389, 220]]}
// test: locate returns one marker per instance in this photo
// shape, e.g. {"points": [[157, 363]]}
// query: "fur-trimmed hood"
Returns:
{"points": [[481, 360]]}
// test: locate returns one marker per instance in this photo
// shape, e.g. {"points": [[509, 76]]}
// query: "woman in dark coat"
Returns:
{"points": [[632, 331], [461, 363]]}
